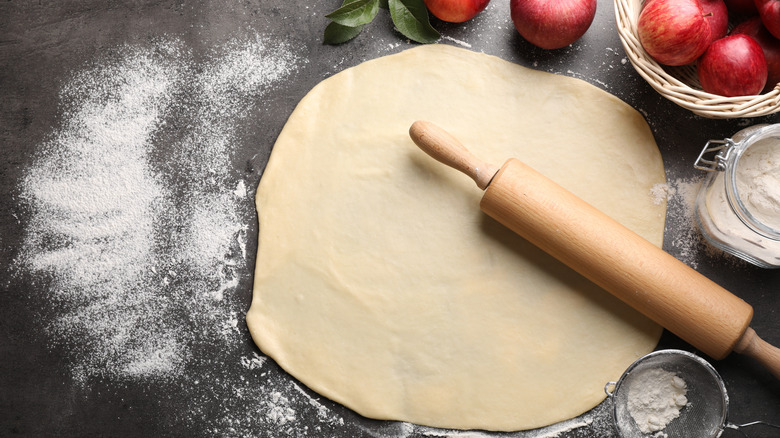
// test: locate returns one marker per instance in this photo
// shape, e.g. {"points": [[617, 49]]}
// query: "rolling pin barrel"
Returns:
{"points": [[620, 261], [617, 259]]}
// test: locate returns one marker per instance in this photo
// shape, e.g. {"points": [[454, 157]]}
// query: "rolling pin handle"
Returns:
{"points": [[445, 148], [766, 354]]}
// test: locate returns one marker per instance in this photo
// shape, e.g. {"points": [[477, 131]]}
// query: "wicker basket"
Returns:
{"points": [[680, 84]]}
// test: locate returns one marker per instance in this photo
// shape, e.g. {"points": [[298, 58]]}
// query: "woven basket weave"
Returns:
{"points": [[680, 84]]}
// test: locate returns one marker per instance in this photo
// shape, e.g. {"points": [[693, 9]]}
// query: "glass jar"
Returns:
{"points": [[738, 205]]}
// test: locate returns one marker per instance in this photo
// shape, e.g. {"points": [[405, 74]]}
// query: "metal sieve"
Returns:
{"points": [[705, 414]]}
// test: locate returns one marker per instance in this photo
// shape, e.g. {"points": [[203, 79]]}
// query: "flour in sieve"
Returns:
{"points": [[655, 398]]}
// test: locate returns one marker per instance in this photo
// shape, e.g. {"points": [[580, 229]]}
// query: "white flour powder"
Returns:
{"points": [[94, 200], [655, 398], [126, 243], [687, 244], [138, 248], [758, 181], [763, 199]]}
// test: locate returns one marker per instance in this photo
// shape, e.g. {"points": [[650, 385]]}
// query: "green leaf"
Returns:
{"points": [[338, 33], [355, 12], [411, 19]]}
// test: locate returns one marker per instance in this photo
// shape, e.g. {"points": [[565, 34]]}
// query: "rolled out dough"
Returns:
{"points": [[381, 285]]}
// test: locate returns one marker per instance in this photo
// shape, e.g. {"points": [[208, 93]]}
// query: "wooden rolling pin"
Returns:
{"points": [[639, 273]]}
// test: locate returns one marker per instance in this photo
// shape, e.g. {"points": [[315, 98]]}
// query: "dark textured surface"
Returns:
{"points": [[43, 43]]}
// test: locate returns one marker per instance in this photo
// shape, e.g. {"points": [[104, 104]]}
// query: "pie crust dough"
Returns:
{"points": [[380, 284]]}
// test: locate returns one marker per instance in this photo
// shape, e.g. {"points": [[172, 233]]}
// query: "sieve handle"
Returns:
{"points": [[766, 354]]}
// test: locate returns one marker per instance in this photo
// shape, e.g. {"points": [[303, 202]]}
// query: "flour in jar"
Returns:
{"points": [[655, 398], [758, 181]]}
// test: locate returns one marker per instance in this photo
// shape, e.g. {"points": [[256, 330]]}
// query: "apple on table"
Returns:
{"points": [[552, 24], [456, 11]]}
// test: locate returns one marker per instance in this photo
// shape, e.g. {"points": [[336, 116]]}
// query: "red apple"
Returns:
{"points": [[769, 11], [552, 24], [769, 44], [733, 66], [717, 14], [455, 11], [742, 7], [674, 32]]}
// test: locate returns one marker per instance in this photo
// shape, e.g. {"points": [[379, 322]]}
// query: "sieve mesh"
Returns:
{"points": [[707, 408]]}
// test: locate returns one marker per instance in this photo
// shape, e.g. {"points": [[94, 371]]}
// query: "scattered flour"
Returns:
{"points": [[254, 362], [655, 398], [92, 233], [687, 243], [125, 245], [683, 235], [135, 249], [659, 193], [457, 41], [279, 410], [688, 240], [323, 413]]}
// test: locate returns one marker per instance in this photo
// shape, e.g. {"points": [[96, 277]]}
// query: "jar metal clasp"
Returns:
{"points": [[715, 155]]}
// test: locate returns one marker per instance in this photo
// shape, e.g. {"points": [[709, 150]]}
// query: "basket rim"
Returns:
{"points": [[669, 85]]}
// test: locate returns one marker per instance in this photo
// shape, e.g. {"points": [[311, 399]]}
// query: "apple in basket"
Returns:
{"points": [[674, 32], [456, 11], [769, 11], [769, 44], [552, 24], [716, 12], [733, 66]]}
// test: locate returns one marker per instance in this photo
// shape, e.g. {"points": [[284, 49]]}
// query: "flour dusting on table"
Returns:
{"points": [[686, 241], [139, 253]]}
